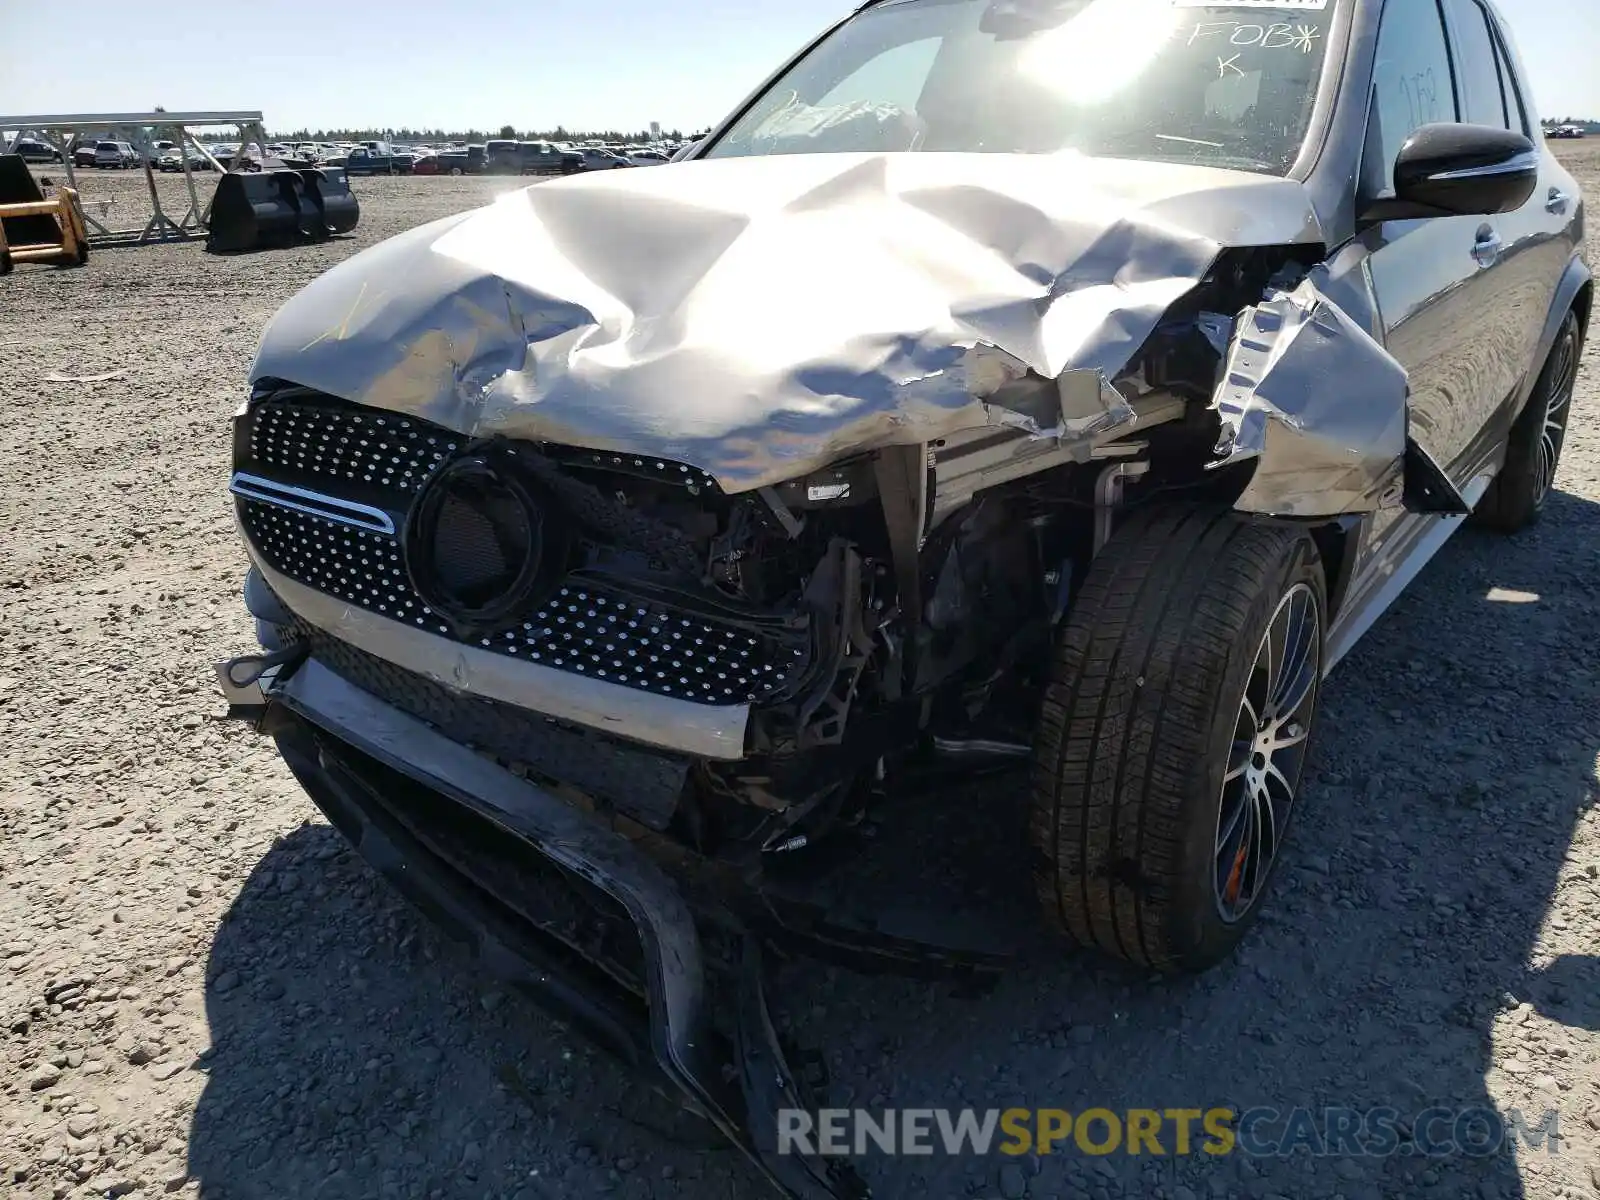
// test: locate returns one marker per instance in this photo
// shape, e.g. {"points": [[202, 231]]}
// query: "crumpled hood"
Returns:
{"points": [[761, 317]]}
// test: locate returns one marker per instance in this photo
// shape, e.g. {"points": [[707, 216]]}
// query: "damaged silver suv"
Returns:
{"points": [[1061, 384]]}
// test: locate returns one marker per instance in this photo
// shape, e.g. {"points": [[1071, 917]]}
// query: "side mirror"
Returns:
{"points": [[1460, 171]]}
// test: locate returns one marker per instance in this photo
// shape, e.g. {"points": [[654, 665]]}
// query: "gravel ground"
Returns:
{"points": [[202, 992]]}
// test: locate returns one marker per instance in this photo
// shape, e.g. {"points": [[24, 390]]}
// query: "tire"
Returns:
{"points": [[1517, 496], [1140, 729], [455, 170]]}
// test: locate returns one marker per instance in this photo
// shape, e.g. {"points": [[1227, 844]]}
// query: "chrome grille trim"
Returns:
{"points": [[317, 504]]}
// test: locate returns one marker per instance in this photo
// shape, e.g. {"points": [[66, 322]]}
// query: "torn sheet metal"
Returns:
{"points": [[762, 317], [1318, 403]]}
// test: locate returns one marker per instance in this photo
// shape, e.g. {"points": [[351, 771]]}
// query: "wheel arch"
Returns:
{"points": [[1337, 542], [1574, 294]]}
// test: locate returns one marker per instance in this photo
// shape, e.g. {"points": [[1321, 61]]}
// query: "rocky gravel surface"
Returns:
{"points": [[203, 992]]}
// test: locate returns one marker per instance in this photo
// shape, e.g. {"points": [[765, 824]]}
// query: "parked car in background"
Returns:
{"points": [[595, 158], [502, 157], [224, 154], [378, 158], [35, 151], [428, 164], [83, 154], [545, 158], [115, 155], [647, 158], [172, 160], [462, 160]]}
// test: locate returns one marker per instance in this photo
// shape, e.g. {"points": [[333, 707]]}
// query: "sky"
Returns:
{"points": [[533, 64]]}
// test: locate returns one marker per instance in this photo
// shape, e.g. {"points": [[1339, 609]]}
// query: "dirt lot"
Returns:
{"points": [[202, 992]]}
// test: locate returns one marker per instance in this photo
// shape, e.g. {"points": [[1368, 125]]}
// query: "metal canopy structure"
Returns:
{"points": [[65, 132]]}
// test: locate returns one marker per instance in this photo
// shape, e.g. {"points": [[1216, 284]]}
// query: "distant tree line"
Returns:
{"points": [[1586, 122], [559, 134]]}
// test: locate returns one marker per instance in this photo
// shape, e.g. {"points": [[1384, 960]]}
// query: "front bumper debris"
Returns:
{"points": [[409, 799]]}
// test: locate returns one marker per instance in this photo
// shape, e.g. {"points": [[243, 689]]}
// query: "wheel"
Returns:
{"points": [[1173, 733], [455, 170], [1517, 495]]}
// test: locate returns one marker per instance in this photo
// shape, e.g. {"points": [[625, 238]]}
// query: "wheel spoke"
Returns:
{"points": [[1249, 721], [1238, 757], [1257, 848], [1234, 860], [1225, 834], [1298, 692], [1299, 674], [1269, 831], [1274, 771], [1275, 647]]}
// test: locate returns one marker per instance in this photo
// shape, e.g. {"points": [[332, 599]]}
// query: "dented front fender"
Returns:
{"points": [[1321, 408]]}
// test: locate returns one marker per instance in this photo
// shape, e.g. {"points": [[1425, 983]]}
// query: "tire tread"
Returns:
{"points": [[1136, 682]]}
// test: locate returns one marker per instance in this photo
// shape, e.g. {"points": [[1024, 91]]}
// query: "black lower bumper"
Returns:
{"points": [[409, 799]]}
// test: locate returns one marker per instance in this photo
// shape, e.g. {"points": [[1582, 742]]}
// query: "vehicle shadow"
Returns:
{"points": [[355, 1053]]}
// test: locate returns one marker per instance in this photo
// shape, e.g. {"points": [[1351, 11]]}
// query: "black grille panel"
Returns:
{"points": [[344, 443], [356, 565], [585, 630], [383, 458]]}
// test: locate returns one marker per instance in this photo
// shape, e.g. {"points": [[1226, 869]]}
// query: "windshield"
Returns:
{"points": [[1228, 85]]}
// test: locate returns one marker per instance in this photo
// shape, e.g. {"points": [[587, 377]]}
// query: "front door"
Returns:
{"points": [[1535, 242], [1432, 278]]}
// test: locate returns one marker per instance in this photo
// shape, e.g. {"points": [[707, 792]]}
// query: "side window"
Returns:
{"points": [[1516, 109], [1482, 101], [1412, 85]]}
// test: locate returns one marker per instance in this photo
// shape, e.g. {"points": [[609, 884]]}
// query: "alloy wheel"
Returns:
{"points": [[1558, 403], [1267, 754]]}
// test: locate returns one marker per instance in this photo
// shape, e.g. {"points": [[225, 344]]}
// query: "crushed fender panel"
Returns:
{"points": [[1321, 408]]}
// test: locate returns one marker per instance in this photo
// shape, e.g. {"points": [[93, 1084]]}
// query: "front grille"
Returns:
{"points": [[586, 628], [340, 442], [643, 784], [357, 565]]}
